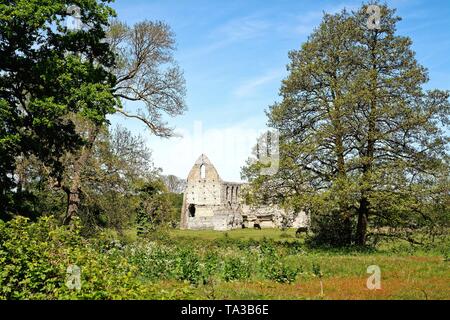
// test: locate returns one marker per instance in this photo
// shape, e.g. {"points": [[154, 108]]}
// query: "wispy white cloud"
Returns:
{"points": [[251, 86], [232, 32], [242, 28], [303, 24], [262, 24]]}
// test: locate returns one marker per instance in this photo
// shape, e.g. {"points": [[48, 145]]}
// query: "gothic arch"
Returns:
{"points": [[203, 171]]}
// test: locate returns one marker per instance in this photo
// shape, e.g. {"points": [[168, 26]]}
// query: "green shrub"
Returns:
{"points": [[188, 266], [317, 271], [267, 247], [34, 258], [294, 247], [330, 230], [26, 269], [281, 273], [274, 269], [210, 265], [235, 269], [154, 261]]}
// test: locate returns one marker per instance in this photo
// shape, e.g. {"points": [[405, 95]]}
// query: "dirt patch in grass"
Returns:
{"points": [[352, 288]]}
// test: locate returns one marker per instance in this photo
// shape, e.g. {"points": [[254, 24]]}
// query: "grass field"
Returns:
{"points": [[406, 272], [238, 234]]}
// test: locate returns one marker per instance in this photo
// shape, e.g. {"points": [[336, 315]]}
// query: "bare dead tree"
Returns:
{"points": [[149, 84], [147, 74], [174, 184]]}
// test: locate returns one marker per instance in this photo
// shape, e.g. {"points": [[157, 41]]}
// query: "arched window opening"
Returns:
{"points": [[227, 192], [191, 209], [202, 171], [232, 192]]}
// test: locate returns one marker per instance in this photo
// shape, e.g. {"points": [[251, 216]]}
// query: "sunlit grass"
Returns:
{"points": [[238, 234], [406, 272]]}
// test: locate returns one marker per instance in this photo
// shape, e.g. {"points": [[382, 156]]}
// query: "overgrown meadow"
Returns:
{"points": [[240, 264], [361, 143]]}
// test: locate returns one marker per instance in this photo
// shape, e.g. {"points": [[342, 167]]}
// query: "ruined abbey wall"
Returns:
{"points": [[211, 203]]}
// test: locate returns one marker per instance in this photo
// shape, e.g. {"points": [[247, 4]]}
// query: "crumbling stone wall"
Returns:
{"points": [[211, 203]]}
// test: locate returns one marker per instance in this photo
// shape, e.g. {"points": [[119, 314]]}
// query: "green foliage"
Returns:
{"points": [[211, 265], [119, 165], [34, 258], [59, 73], [187, 267], [236, 268], [272, 264], [330, 229], [153, 262], [267, 247], [317, 272], [176, 203], [280, 272], [285, 235], [155, 207], [120, 186], [274, 268], [363, 147]]}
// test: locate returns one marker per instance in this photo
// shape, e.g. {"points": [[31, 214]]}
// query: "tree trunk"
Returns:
{"points": [[361, 229], [348, 230], [73, 197], [369, 154], [74, 191], [341, 169]]}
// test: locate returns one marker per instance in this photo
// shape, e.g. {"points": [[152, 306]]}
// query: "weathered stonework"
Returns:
{"points": [[211, 203]]}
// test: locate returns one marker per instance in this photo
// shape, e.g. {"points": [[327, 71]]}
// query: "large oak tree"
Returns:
{"points": [[57, 85], [48, 72], [362, 143]]}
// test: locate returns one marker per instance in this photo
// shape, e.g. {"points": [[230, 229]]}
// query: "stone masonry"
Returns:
{"points": [[211, 203]]}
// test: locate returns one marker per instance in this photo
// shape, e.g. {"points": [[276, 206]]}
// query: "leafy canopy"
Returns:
{"points": [[362, 144], [46, 73]]}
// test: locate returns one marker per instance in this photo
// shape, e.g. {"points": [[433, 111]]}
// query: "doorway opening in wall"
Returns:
{"points": [[191, 209]]}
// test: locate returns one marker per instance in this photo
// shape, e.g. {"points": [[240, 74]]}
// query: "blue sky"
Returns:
{"points": [[234, 54]]}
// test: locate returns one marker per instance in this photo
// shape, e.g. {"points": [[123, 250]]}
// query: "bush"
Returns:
{"points": [[274, 269], [34, 258], [26, 269], [154, 262], [330, 230], [188, 266], [210, 265], [281, 273], [235, 269], [267, 247], [294, 247]]}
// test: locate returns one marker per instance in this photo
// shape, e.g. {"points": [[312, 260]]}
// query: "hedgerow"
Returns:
{"points": [[35, 257]]}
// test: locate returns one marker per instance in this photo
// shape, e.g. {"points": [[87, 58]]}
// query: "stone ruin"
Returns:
{"points": [[211, 203]]}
